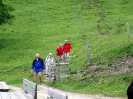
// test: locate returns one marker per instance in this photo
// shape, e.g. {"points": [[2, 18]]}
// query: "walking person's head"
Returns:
{"points": [[50, 54], [37, 56], [60, 45], [66, 41]]}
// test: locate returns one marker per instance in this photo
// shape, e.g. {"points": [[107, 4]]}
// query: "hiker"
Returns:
{"points": [[49, 61], [38, 67], [130, 91], [67, 48], [59, 52]]}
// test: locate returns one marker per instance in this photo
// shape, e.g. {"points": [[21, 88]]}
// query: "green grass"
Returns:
{"points": [[41, 25]]}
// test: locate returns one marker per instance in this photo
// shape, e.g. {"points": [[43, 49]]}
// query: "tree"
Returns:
{"points": [[5, 13]]}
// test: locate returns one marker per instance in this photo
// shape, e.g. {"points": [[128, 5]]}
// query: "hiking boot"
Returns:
{"points": [[40, 82], [54, 78]]}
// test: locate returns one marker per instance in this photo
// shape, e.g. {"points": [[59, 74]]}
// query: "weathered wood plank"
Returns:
{"points": [[28, 96], [61, 63], [20, 95], [0, 97], [64, 76], [56, 95], [29, 90], [12, 95], [3, 86], [49, 97], [62, 70], [29, 84], [4, 95]]}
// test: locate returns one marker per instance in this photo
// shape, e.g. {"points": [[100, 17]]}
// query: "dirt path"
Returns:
{"points": [[42, 93]]}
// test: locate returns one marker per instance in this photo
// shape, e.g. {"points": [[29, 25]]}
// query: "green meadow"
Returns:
{"points": [[41, 25]]}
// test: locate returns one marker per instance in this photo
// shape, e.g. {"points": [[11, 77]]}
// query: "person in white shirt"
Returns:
{"points": [[49, 61]]}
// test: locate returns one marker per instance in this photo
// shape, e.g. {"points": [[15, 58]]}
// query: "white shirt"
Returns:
{"points": [[49, 60]]}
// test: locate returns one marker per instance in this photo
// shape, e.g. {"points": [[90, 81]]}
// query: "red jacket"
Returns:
{"points": [[67, 47], [59, 51]]}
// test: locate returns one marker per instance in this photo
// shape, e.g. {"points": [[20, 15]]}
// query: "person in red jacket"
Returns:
{"points": [[67, 47], [59, 52]]}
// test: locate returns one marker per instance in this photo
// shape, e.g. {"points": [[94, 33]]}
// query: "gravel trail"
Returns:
{"points": [[42, 93]]}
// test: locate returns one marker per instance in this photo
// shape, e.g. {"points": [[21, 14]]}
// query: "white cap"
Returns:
{"points": [[66, 40], [50, 53]]}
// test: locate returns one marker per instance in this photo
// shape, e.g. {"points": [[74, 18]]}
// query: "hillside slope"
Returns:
{"points": [[39, 27]]}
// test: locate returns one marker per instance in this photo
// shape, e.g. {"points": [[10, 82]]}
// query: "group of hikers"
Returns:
{"points": [[39, 65]]}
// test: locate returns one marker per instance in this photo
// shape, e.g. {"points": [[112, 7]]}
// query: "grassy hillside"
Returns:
{"points": [[39, 27]]}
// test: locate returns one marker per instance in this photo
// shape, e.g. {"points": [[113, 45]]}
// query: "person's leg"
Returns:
{"points": [[35, 77], [58, 58], [61, 58], [46, 69], [67, 56], [40, 77]]}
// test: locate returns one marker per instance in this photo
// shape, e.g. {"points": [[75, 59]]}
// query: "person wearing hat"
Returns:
{"points": [[38, 67], [59, 52], [49, 61], [67, 48]]}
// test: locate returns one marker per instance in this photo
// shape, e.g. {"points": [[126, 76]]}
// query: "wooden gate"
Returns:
{"points": [[62, 71], [58, 71]]}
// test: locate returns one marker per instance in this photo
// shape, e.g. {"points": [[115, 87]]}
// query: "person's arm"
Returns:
{"points": [[70, 46], [46, 59], [64, 50], [57, 51], [43, 66], [32, 67], [52, 61]]}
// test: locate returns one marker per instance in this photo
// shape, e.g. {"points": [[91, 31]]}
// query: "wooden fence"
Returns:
{"points": [[58, 71]]}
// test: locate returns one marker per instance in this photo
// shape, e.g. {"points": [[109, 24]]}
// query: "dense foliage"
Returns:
{"points": [[5, 13]]}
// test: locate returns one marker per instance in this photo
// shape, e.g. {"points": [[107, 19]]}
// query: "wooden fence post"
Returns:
{"points": [[88, 53], [67, 71], [58, 72], [128, 32], [49, 70], [50, 73]]}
